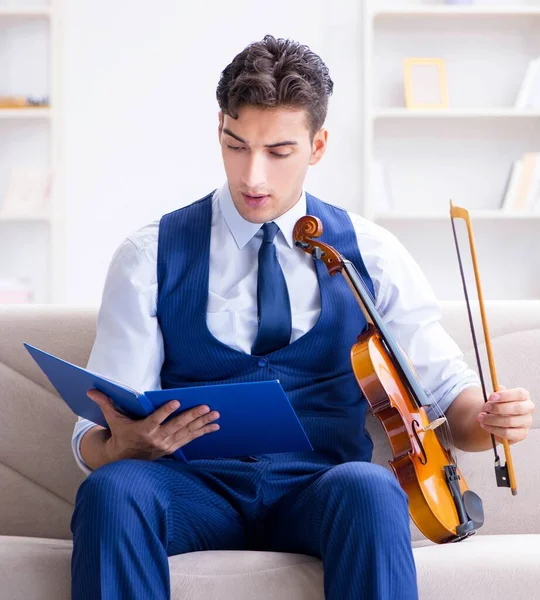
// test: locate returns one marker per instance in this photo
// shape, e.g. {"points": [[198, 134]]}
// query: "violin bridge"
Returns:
{"points": [[434, 424]]}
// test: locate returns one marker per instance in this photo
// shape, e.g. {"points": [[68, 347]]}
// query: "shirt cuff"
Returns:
{"points": [[80, 429]]}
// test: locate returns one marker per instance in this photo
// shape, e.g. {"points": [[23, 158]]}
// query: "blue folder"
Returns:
{"points": [[255, 417]]}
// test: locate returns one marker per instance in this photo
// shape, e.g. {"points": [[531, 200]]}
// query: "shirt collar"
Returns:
{"points": [[243, 231]]}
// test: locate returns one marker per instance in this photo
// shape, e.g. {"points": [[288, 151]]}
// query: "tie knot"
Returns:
{"points": [[269, 230]]}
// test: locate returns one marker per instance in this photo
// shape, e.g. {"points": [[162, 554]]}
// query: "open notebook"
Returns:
{"points": [[255, 417]]}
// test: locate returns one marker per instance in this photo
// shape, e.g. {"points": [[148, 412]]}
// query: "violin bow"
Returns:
{"points": [[504, 474]]}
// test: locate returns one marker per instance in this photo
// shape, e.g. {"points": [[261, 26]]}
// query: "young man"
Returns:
{"points": [[217, 292]]}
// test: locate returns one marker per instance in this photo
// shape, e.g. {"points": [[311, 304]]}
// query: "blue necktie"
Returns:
{"points": [[272, 298]]}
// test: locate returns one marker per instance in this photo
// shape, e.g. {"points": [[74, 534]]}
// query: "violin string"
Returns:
{"points": [[443, 432]]}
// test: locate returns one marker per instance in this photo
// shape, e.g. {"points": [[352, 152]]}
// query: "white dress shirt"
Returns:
{"points": [[129, 343]]}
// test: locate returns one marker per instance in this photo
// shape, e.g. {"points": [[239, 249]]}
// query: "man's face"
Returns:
{"points": [[266, 153]]}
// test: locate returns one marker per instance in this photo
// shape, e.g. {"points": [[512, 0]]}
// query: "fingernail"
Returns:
{"points": [[495, 397], [481, 416]]}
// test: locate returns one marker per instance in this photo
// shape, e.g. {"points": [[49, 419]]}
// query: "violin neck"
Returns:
{"points": [[367, 305]]}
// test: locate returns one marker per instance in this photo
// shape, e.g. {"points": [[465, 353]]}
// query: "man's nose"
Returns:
{"points": [[255, 172]]}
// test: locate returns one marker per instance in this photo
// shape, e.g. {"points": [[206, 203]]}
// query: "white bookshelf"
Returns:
{"points": [[487, 113], [463, 153], [7, 114], [479, 215], [439, 10], [26, 12], [31, 245]]}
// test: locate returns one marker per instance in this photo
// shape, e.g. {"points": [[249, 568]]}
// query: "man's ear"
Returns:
{"points": [[220, 125], [318, 146]]}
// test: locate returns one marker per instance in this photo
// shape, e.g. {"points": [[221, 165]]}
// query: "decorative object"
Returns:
{"points": [[28, 193], [426, 84], [16, 291]]}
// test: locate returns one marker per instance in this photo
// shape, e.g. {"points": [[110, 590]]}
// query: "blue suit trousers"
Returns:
{"points": [[131, 515]]}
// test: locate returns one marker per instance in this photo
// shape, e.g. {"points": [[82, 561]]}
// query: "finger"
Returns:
{"points": [[505, 420], [183, 438], [160, 414], [186, 417], [191, 421], [523, 407], [513, 395], [105, 403], [511, 434]]}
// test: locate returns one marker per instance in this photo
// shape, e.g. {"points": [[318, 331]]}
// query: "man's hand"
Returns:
{"points": [[150, 438], [508, 414]]}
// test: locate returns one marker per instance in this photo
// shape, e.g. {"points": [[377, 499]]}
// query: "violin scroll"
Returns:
{"points": [[309, 227]]}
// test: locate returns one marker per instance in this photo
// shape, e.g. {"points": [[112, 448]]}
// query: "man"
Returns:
{"points": [[217, 292]]}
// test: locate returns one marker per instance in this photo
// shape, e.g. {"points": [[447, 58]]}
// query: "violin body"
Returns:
{"points": [[419, 457], [440, 503]]}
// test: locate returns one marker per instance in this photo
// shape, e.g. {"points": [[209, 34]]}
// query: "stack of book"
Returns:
{"points": [[529, 92], [23, 102], [15, 291], [522, 191]]}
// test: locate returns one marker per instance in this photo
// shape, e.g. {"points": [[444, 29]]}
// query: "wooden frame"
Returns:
{"points": [[430, 90]]}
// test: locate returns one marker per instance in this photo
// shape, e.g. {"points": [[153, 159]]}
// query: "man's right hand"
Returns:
{"points": [[151, 438]]}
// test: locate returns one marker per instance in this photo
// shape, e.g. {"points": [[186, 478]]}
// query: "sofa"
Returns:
{"points": [[39, 480]]}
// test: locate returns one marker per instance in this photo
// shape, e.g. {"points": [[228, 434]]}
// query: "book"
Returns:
{"points": [[511, 185], [523, 186], [522, 199], [529, 93], [534, 196], [255, 417], [533, 97]]}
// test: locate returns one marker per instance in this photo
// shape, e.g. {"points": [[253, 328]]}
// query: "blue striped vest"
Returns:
{"points": [[315, 370]]}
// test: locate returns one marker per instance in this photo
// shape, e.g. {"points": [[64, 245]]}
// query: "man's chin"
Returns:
{"points": [[255, 214], [256, 217]]}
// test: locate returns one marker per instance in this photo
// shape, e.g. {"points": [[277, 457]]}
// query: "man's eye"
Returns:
{"points": [[280, 155], [235, 147]]}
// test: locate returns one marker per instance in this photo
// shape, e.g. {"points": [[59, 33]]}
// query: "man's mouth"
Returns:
{"points": [[255, 200]]}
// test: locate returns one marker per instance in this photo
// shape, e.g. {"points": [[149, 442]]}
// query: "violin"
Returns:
{"points": [[440, 502]]}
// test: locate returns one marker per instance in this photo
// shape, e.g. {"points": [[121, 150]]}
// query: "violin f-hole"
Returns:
{"points": [[421, 459]]}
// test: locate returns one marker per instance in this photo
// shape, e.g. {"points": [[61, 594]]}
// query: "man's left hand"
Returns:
{"points": [[508, 414]]}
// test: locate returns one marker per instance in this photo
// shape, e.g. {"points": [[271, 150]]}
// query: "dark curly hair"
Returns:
{"points": [[276, 72]]}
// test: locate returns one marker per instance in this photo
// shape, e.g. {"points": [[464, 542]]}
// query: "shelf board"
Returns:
{"points": [[456, 113], [26, 12], [25, 113], [458, 11], [24, 218], [476, 215]]}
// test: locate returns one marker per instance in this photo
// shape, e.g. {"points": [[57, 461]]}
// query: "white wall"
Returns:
{"points": [[140, 114]]}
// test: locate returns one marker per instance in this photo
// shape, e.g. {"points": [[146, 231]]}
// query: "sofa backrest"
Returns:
{"points": [[40, 477]]}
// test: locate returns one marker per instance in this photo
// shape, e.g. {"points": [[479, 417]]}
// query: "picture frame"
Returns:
{"points": [[426, 83]]}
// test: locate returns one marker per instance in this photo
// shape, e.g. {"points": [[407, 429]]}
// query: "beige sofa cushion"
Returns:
{"points": [[483, 568]]}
